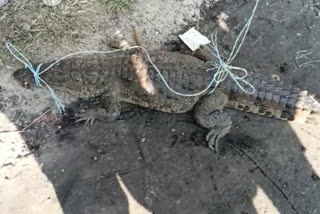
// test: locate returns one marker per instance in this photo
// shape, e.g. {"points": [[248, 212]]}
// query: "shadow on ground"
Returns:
{"points": [[167, 169], [161, 158]]}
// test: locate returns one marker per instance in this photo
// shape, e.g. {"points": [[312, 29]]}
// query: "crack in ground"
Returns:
{"points": [[309, 133], [266, 176]]}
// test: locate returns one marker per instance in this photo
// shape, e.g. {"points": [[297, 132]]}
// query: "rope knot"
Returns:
{"points": [[36, 73], [224, 68]]}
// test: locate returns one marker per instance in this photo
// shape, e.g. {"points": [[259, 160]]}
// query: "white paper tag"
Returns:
{"points": [[193, 39]]}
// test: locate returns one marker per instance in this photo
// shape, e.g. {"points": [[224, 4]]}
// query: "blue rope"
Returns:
{"points": [[224, 69], [26, 62], [36, 73]]}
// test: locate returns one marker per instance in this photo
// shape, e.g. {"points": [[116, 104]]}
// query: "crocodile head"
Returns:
{"points": [[24, 77], [58, 80]]}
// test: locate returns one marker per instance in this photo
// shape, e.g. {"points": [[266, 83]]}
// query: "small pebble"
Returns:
{"points": [[95, 158], [173, 130], [143, 140], [62, 170]]}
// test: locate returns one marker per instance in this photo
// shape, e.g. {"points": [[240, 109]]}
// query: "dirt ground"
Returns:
{"points": [[152, 162]]}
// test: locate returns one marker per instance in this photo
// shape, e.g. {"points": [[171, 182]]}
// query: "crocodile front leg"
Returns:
{"points": [[109, 111], [208, 113]]}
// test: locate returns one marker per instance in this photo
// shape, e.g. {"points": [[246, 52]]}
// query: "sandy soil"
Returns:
{"points": [[163, 166]]}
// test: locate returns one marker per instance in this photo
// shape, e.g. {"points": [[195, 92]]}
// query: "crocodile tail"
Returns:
{"points": [[272, 99], [307, 109]]}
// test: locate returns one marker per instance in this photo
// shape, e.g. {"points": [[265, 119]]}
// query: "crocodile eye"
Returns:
{"points": [[26, 85]]}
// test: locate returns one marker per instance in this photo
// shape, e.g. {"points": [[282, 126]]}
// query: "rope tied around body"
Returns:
{"points": [[223, 69], [36, 73]]}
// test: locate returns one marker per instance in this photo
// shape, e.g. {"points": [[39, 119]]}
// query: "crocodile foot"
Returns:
{"points": [[90, 115], [218, 132]]}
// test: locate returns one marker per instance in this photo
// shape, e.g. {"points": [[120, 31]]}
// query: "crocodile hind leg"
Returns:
{"points": [[208, 113], [109, 111]]}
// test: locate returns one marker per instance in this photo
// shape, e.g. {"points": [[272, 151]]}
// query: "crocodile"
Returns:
{"points": [[114, 80]]}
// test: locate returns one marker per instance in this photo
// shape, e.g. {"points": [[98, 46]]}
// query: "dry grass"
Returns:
{"points": [[118, 6], [38, 30], [34, 27]]}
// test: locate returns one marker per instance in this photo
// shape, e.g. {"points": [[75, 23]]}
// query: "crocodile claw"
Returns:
{"points": [[213, 140], [216, 133], [87, 119], [90, 116]]}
